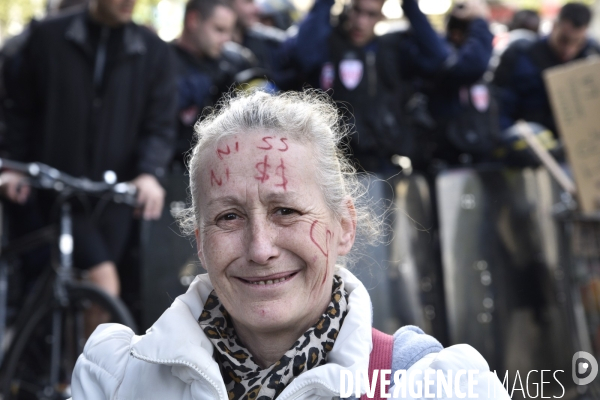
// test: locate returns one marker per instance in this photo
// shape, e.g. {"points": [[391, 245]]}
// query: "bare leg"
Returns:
{"points": [[105, 276]]}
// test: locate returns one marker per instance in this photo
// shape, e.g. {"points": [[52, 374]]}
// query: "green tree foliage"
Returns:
{"points": [[16, 14], [144, 11]]}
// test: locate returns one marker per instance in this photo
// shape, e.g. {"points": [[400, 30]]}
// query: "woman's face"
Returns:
{"points": [[266, 236]]}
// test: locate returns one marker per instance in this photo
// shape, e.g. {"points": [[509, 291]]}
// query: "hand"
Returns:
{"points": [[150, 197], [13, 186], [471, 9]]}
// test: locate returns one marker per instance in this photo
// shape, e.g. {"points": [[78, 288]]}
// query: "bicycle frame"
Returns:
{"points": [[7, 250], [64, 274], [62, 259]]}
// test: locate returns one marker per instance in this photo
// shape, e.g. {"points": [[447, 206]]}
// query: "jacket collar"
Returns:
{"points": [[176, 339], [133, 42]]}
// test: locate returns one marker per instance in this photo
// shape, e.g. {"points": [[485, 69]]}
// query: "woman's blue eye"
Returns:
{"points": [[229, 217]]}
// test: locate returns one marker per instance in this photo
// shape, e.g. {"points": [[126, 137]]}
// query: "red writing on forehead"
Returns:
{"points": [[269, 146], [280, 171], [284, 140], [214, 179], [227, 150], [262, 168], [263, 172], [220, 152]]}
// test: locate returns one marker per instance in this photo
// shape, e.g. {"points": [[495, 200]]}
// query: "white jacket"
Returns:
{"points": [[173, 360]]}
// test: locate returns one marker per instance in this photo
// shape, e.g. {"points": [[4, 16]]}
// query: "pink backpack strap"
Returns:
{"points": [[381, 358]]}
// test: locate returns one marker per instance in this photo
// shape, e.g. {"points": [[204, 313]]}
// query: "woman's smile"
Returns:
{"points": [[270, 281]]}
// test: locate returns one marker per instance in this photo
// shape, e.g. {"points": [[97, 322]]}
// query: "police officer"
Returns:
{"points": [[463, 107], [521, 88], [266, 43], [207, 62], [371, 73]]}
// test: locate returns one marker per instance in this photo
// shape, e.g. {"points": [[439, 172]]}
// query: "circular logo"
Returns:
{"points": [[585, 368]]}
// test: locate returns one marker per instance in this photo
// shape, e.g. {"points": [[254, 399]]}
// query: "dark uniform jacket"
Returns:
{"points": [[200, 84], [85, 114], [521, 89], [374, 82]]}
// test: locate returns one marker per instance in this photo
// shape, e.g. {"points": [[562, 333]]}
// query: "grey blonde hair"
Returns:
{"points": [[310, 118]]}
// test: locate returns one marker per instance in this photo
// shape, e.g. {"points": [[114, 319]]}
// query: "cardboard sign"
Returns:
{"points": [[574, 92]]}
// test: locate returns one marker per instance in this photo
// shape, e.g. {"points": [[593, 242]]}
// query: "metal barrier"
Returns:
{"points": [[503, 277], [417, 275]]}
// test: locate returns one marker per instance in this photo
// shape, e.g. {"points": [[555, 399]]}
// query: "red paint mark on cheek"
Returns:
{"points": [[237, 147], [280, 171], [266, 140], [328, 236], [221, 152], [284, 140], [227, 173], [262, 168], [214, 179]]}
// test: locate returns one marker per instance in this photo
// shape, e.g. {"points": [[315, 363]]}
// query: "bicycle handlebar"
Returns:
{"points": [[46, 177]]}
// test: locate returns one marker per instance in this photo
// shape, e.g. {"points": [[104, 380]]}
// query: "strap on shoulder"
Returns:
{"points": [[381, 358]]}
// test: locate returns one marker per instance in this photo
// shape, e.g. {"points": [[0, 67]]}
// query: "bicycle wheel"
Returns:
{"points": [[40, 361], [119, 313]]}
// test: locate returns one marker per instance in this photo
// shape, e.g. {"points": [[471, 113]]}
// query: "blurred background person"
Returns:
{"points": [[457, 29], [204, 67], [266, 43], [459, 101], [95, 92], [523, 29], [525, 24], [277, 13], [375, 75], [9, 62], [519, 76]]}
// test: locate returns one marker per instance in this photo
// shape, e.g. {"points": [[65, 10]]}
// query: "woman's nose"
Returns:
{"points": [[261, 242]]}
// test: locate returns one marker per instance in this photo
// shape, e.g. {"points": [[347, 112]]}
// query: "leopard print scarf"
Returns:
{"points": [[244, 379]]}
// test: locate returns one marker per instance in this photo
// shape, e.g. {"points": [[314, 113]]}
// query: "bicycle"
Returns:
{"points": [[49, 332]]}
